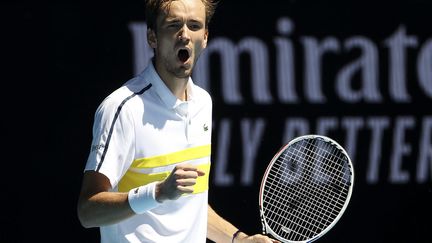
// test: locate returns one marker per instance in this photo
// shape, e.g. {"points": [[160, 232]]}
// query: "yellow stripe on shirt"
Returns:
{"points": [[134, 179], [172, 158]]}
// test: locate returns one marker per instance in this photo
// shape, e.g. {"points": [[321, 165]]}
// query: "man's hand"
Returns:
{"points": [[181, 180]]}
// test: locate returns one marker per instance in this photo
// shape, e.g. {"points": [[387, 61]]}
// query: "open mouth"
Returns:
{"points": [[183, 55]]}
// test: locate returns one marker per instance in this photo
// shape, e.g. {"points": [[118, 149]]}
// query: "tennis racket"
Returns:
{"points": [[305, 189]]}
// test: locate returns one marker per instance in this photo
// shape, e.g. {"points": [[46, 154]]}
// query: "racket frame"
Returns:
{"points": [[265, 227]]}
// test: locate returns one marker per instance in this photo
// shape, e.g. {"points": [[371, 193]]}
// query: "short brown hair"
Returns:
{"points": [[154, 7]]}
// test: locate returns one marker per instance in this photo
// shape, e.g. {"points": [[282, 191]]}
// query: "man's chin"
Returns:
{"points": [[183, 72], [186, 65], [185, 69]]}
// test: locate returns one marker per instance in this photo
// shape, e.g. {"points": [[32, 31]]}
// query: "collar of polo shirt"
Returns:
{"points": [[169, 99]]}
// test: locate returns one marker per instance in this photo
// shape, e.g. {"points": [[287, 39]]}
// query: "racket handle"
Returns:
{"points": [[262, 223]]}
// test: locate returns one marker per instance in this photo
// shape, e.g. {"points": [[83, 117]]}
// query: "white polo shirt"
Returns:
{"points": [[140, 132]]}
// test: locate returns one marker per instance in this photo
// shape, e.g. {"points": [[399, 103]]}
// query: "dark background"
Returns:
{"points": [[61, 58]]}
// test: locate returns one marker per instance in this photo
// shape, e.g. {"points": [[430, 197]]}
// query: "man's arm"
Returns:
{"points": [[220, 230], [98, 206]]}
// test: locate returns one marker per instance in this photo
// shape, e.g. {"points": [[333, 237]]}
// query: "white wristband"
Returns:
{"points": [[142, 199]]}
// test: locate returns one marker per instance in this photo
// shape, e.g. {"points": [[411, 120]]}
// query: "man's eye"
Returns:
{"points": [[195, 26], [173, 25]]}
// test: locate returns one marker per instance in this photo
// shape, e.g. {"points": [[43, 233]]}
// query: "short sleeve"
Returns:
{"points": [[113, 143]]}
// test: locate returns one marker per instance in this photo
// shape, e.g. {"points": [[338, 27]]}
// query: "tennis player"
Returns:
{"points": [[147, 174]]}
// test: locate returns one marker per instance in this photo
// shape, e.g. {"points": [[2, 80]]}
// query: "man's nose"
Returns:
{"points": [[184, 34]]}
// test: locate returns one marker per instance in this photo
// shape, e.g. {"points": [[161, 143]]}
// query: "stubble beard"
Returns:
{"points": [[179, 70]]}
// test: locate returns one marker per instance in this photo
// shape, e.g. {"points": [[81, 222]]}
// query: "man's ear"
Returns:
{"points": [[204, 45], [151, 38]]}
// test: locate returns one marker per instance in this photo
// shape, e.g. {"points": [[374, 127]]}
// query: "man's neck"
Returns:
{"points": [[177, 86]]}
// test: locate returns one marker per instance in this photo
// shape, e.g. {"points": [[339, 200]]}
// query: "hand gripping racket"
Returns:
{"points": [[305, 189]]}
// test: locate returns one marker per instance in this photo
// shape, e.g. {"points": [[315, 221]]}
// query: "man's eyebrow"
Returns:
{"points": [[198, 20], [177, 19], [172, 19]]}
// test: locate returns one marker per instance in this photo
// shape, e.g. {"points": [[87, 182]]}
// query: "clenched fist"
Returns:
{"points": [[181, 180]]}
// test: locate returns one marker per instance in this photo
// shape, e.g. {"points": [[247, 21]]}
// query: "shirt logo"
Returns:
{"points": [[97, 147], [205, 127]]}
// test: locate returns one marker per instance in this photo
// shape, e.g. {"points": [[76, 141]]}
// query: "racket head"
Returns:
{"points": [[305, 189]]}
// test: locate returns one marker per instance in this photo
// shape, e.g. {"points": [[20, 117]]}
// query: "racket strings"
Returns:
{"points": [[310, 197], [311, 211], [309, 214], [307, 188], [300, 207], [336, 181], [334, 154]]}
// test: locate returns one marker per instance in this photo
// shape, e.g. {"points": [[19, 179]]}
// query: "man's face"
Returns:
{"points": [[179, 38]]}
